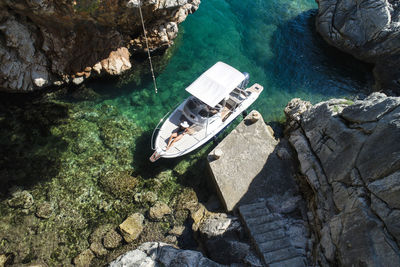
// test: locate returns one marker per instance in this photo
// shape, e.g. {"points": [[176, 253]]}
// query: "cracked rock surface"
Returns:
{"points": [[47, 42], [367, 29], [349, 154]]}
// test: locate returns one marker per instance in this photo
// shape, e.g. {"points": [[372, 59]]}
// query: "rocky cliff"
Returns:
{"points": [[47, 42], [367, 29], [349, 154]]}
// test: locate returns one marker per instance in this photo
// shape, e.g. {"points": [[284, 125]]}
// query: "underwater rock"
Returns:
{"points": [[353, 175], [119, 184], [159, 210], [3, 260], [112, 239], [369, 31], [98, 249], [84, 258], [132, 227], [44, 210], [21, 199], [157, 253], [48, 43], [146, 197]]}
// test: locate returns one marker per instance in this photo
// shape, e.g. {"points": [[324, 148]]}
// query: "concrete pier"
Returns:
{"points": [[237, 161]]}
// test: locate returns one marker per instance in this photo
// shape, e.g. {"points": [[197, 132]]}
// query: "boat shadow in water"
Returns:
{"points": [[190, 169], [29, 151]]}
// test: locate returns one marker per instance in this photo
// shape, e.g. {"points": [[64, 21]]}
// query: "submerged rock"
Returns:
{"points": [[132, 227], [21, 199], [354, 176], [112, 239], [84, 258], [44, 210], [369, 31], [159, 210]]}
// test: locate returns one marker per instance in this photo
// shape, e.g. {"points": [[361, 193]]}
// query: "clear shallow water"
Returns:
{"points": [[275, 41]]}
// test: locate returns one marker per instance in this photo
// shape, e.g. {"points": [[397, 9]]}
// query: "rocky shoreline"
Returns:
{"points": [[47, 43], [349, 155]]}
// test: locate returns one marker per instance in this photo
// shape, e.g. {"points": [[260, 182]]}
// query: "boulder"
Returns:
{"points": [[44, 210], [111, 240], [98, 249], [159, 210], [161, 254], [84, 258], [369, 31], [132, 227]]}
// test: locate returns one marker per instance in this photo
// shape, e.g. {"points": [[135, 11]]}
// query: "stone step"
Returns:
{"points": [[267, 227], [269, 236], [254, 210], [252, 222], [280, 255], [293, 262], [273, 245]]}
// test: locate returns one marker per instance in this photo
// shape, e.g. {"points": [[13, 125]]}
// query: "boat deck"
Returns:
{"points": [[187, 141]]}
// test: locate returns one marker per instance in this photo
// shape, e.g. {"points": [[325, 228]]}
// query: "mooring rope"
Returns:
{"points": [[147, 45]]}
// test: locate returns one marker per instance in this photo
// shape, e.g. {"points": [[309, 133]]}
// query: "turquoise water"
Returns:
{"points": [[274, 41], [87, 159]]}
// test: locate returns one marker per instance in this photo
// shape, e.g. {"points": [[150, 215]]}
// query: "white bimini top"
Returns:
{"points": [[216, 83]]}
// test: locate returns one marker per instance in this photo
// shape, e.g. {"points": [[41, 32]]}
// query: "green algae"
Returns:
{"points": [[85, 169]]}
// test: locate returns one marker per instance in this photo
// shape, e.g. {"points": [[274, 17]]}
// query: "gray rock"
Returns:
{"points": [[218, 224], [134, 258], [226, 251], [371, 109], [354, 176], [388, 189], [161, 254], [367, 30]]}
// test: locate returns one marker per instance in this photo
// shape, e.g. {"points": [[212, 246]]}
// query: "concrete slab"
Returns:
{"points": [[244, 154]]}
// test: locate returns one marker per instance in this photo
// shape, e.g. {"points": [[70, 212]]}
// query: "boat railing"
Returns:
{"points": [[159, 125]]}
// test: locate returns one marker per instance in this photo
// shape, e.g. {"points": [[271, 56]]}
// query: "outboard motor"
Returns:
{"points": [[245, 82]]}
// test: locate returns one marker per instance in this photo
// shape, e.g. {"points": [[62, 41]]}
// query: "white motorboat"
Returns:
{"points": [[218, 96]]}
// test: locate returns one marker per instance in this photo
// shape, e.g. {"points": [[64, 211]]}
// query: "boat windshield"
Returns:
{"points": [[198, 111]]}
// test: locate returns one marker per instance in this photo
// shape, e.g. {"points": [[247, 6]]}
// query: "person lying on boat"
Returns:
{"points": [[178, 134]]}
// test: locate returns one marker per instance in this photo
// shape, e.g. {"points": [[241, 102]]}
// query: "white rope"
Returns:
{"points": [[147, 45]]}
